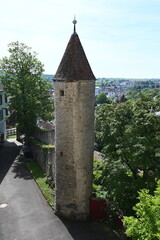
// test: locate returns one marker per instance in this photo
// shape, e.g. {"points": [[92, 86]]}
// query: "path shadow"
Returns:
{"points": [[8, 153], [20, 169], [89, 230]]}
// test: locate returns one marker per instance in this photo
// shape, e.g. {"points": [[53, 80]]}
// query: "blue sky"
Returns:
{"points": [[121, 38]]}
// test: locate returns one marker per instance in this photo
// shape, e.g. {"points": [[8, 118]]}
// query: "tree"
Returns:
{"points": [[102, 98], [28, 91], [128, 134], [146, 224]]}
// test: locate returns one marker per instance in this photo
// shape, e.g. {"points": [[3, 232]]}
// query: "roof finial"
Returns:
{"points": [[74, 22]]}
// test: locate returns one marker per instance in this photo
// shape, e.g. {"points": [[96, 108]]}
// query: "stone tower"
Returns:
{"points": [[74, 85]]}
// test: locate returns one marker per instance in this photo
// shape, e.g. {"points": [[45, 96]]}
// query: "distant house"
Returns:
{"points": [[3, 113], [157, 113], [98, 90]]}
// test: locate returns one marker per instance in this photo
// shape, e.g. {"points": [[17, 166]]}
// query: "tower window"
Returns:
{"points": [[6, 112], [5, 98], [0, 99], [62, 93], [1, 115]]}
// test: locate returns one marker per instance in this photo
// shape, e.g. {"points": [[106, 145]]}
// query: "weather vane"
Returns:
{"points": [[74, 22]]}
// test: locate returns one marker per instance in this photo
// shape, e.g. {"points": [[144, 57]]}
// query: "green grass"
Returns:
{"points": [[41, 178], [13, 136]]}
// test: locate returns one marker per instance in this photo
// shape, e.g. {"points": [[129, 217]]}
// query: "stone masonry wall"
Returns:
{"points": [[48, 137], [45, 157], [74, 147]]}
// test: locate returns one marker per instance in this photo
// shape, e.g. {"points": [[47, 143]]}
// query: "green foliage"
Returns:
{"points": [[121, 187], [128, 134], [41, 179], [102, 98], [10, 137], [97, 177], [133, 94], [146, 226], [41, 144], [28, 91], [42, 129]]}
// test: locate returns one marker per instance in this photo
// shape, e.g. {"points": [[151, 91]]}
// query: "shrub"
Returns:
{"points": [[146, 226]]}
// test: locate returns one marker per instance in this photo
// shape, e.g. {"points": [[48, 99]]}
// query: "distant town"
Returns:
{"points": [[116, 87]]}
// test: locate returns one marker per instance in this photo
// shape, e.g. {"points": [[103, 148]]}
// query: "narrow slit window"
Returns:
{"points": [[0, 99], [61, 93], [5, 98], [6, 112]]}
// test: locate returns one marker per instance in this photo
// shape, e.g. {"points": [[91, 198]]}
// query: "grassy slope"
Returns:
{"points": [[41, 178]]}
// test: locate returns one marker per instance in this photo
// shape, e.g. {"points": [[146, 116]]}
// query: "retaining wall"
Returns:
{"points": [[45, 157], [47, 137]]}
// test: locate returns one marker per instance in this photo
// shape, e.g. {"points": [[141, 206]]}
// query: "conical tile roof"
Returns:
{"points": [[74, 65]]}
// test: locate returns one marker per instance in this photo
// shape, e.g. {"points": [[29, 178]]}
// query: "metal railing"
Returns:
{"points": [[11, 132]]}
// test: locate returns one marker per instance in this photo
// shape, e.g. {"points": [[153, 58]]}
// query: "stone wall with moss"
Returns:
{"points": [[44, 154], [46, 136]]}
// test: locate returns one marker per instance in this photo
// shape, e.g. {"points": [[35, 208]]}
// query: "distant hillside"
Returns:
{"points": [[128, 79], [103, 79], [48, 76]]}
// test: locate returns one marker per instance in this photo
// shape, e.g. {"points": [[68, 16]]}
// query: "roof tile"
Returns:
{"points": [[74, 65]]}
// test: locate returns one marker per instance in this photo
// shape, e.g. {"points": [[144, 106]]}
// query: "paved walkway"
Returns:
{"points": [[27, 215]]}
